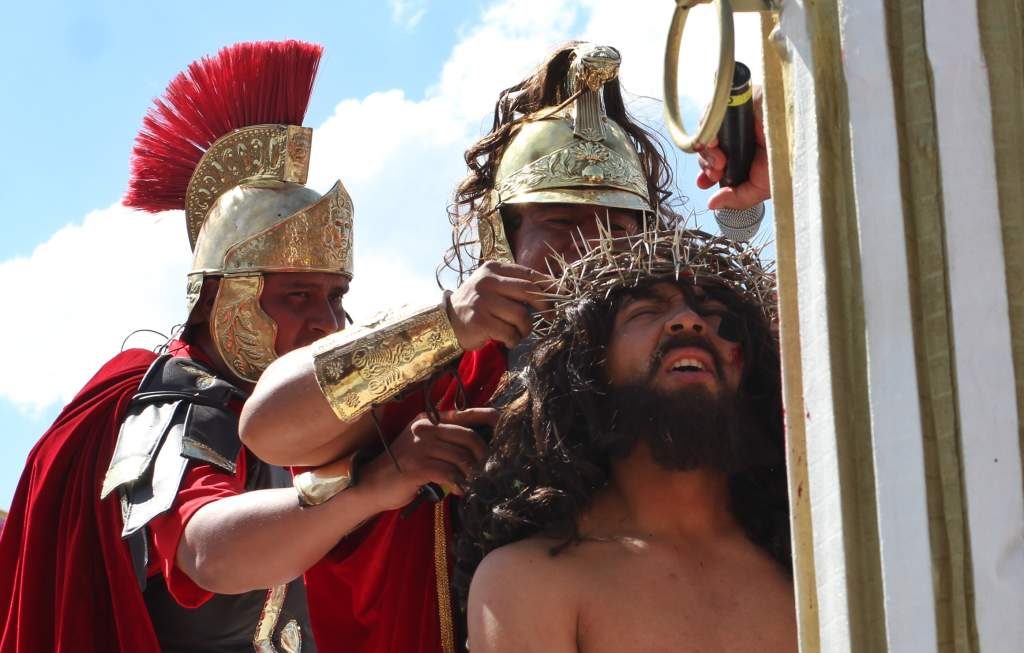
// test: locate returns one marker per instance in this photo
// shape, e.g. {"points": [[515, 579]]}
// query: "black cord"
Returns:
{"points": [[383, 440], [164, 336], [432, 491]]}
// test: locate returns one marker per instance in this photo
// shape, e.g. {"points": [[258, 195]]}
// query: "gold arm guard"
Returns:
{"points": [[359, 368], [322, 484]]}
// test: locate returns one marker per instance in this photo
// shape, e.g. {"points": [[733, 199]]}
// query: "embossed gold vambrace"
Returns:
{"points": [[359, 368]]}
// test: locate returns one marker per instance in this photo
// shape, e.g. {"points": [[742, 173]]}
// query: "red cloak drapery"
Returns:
{"points": [[66, 580], [376, 592]]}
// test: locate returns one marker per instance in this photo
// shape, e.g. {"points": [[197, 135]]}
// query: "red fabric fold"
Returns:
{"points": [[66, 579], [376, 591]]}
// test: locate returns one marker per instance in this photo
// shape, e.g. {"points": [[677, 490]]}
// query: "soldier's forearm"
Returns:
{"points": [[263, 538]]}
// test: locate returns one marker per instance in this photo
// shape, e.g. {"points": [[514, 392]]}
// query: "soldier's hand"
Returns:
{"points": [[492, 304], [428, 453]]}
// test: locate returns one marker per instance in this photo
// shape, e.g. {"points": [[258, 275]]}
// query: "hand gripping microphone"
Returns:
{"points": [[736, 138]]}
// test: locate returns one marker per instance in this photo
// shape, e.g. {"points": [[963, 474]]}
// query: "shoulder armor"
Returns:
{"points": [[180, 413]]}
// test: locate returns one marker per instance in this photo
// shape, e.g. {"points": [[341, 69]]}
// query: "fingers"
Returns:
{"points": [[757, 188], [517, 290], [442, 472], [712, 158], [514, 314], [516, 271], [740, 197], [459, 428], [456, 428], [504, 332], [493, 304], [471, 417], [448, 452], [705, 182], [712, 162], [459, 457]]}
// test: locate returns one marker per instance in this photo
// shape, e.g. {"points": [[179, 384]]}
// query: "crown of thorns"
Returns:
{"points": [[610, 263]]}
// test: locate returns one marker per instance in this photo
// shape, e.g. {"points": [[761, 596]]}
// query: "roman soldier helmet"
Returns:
{"points": [[225, 143], [571, 153]]}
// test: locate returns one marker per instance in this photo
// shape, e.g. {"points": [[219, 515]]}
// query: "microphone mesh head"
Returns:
{"points": [[740, 225]]}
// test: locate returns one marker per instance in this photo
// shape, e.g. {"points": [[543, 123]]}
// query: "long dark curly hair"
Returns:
{"points": [[552, 451], [545, 88]]}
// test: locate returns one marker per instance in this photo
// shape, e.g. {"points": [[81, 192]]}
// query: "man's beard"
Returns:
{"points": [[689, 428]]}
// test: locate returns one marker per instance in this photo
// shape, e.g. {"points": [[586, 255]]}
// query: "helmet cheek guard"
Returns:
{"points": [[242, 332]]}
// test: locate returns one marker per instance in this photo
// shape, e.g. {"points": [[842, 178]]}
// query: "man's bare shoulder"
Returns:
{"points": [[523, 598]]}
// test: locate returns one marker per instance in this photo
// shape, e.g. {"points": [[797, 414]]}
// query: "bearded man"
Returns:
{"points": [[178, 553], [563, 157], [635, 495]]}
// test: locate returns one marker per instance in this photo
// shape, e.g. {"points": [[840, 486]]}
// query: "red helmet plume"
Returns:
{"points": [[265, 82]]}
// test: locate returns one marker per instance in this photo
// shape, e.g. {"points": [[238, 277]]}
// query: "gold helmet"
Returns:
{"points": [[225, 143], [571, 153]]}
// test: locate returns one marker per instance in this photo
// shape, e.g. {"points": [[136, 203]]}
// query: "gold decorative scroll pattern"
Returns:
{"points": [[243, 333], [359, 368], [318, 238], [260, 152], [581, 163]]}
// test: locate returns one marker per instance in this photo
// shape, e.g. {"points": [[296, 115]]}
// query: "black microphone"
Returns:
{"points": [[736, 138]]}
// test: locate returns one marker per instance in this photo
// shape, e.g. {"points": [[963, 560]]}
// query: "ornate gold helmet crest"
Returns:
{"points": [[225, 144], [572, 153]]}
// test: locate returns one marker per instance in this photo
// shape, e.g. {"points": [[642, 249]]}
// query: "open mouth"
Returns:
{"points": [[689, 361], [688, 365]]}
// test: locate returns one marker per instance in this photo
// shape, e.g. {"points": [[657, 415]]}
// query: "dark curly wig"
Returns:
{"points": [[551, 452], [545, 88]]}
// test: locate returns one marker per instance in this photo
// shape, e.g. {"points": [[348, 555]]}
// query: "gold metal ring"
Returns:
{"points": [[708, 126]]}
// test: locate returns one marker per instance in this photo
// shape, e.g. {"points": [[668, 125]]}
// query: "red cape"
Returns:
{"points": [[66, 579], [377, 590]]}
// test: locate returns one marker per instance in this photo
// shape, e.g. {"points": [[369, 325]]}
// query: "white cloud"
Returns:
{"points": [[73, 300], [408, 13]]}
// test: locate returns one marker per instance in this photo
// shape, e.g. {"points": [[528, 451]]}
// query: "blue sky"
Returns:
{"points": [[80, 75], [403, 87]]}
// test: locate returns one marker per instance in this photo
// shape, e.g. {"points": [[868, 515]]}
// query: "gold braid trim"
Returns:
{"points": [[444, 595], [291, 634], [359, 368]]}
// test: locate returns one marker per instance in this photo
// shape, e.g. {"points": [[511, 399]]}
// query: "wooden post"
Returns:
{"points": [[896, 139]]}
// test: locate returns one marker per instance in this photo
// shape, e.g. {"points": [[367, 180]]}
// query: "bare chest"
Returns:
{"points": [[650, 606]]}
